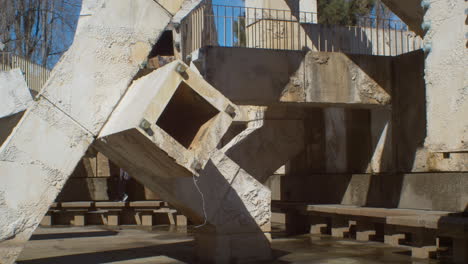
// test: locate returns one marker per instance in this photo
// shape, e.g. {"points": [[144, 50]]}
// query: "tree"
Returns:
{"points": [[343, 12], [238, 27], [38, 30]]}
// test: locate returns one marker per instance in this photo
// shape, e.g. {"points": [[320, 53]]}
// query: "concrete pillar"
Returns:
{"points": [[460, 250]]}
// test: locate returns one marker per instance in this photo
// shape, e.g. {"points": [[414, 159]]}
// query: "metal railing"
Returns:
{"points": [[35, 75], [250, 27]]}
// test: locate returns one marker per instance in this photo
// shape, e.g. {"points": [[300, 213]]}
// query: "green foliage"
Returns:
{"points": [[343, 12]]}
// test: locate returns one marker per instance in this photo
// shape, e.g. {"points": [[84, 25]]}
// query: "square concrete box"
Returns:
{"points": [[168, 124]]}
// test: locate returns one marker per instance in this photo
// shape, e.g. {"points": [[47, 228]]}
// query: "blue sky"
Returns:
{"points": [[229, 2]]}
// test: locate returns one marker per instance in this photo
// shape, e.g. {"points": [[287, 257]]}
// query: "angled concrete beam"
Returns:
{"points": [[79, 97], [410, 11]]}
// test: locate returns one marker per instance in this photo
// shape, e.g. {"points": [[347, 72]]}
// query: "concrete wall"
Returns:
{"points": [[446, 76], [267, 77], [431, 191]]}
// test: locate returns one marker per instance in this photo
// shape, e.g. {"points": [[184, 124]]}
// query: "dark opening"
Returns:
{"points": [[165, 45], [185, 115]]}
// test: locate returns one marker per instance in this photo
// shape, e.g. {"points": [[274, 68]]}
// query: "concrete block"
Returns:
{"points": [[394, 239], [171, 119], [15, 96], [146, 218], [181, 220], [318, 229], [46, 220], [423, 252], [79, 219], [340, 227], [113, 219], [365, 230]]}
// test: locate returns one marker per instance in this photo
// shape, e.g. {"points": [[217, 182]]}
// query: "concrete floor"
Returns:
{"points": [[165, 244]]}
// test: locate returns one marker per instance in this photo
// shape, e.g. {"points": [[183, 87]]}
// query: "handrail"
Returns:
{"points": [[264, 28], [35, 75]]}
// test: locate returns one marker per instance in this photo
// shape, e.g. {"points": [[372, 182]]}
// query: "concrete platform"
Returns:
{"points": [[166, 245]]}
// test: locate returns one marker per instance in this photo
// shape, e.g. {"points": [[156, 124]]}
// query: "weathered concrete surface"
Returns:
{"points": [[15, 99], [446, 77], [410, 11], [186, 118], [55, 132], [427, 191], [117, 43], [14, 93], [234, 206], [267, 77]]}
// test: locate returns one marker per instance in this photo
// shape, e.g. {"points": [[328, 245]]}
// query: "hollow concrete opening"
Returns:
{"points": [[186, 116]]}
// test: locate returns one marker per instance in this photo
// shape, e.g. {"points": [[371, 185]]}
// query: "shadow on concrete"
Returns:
{"points": [[179, 251], [73, 235]]}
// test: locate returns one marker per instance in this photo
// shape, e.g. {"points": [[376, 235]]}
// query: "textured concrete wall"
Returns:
{"points": [[431, 191], [446, 76], [267, 77], [410, 121]]}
